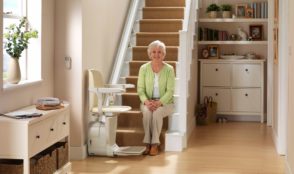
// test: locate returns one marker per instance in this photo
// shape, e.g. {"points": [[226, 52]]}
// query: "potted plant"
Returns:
{"points": [[226, 10], [212, 10], [16, 41]]}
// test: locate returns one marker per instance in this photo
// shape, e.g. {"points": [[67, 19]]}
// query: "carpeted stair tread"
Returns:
{"points": [[163, 12], [164, 3], [161, 25], [169, 38], [140, 53]]}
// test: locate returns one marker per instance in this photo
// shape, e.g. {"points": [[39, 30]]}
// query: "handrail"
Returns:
{"points": [[123, 46], [187, 15]]}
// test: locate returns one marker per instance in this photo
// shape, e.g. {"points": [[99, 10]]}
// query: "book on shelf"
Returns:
{"points": [[208, 34], [260, 9]]}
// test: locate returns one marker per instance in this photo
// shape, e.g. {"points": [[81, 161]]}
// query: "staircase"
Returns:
{"points": [[161, 20]]}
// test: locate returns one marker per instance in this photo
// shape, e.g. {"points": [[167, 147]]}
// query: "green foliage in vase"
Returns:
{"points": [[17, 37], [226, 7], [212, 7]]}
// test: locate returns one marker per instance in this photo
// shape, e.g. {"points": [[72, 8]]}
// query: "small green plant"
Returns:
{"points": [[226, 7], [212, 7], [17, 38]]}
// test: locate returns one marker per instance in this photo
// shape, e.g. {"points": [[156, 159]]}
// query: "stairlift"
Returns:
{"points": [[102, 118]]}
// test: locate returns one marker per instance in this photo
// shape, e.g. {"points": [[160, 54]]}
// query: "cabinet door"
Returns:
{"points": [[246, 75], [221, 96], [216, 74], [246, 100]]}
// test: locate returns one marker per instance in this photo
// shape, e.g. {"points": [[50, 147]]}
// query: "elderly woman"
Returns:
{"points": [[155, 87]]}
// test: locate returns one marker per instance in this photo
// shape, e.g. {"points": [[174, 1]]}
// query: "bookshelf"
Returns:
{"points": [[223, 35]]}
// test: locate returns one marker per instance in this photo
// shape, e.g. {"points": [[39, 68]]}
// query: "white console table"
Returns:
{"points": [[24, 138]]}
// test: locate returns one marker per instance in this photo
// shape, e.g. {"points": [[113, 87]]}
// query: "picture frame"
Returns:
{"points": [[241, 10], [213, 51], [255, 32], [204, 53], [249, 13]]}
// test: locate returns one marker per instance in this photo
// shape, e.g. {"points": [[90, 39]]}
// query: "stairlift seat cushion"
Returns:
{"points": [[112, 109]]}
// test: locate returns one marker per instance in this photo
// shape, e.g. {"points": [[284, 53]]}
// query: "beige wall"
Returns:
{"points": [[24, 96], [89, 32], [290, 129], [68, 42]]}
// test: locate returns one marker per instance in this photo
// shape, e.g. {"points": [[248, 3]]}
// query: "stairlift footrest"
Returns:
{"points": [[129, 150]]}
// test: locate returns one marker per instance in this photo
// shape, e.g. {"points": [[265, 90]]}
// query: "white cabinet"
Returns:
{"points": [[236, 85], [24, 138]]}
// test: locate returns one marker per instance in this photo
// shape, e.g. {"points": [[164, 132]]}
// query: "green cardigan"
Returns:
{"points": [[166, 83]]}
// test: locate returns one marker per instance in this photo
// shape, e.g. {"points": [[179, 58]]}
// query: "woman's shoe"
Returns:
{"points": [[154, 150], [147, 150]]}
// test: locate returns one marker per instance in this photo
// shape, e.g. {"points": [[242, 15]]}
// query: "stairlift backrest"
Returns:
{"points": [[95, 80]]}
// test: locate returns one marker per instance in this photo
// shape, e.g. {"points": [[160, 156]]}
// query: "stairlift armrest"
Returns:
{"points": [[121, 85], [106, 90]]}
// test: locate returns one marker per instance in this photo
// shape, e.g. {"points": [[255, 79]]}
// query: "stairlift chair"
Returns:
{"points": [[102, 118]]}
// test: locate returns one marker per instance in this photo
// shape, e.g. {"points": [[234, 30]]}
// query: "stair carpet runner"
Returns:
{"points": [[162, 20]]}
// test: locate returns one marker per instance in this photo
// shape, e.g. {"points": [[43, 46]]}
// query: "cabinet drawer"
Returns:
{"points": [[63, 125], [46, 132], [246, 100], [216, 74], [246, 75], [221, 96], [38, 135]]}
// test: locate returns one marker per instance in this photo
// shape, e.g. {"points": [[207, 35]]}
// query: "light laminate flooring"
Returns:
{"points": [[221, 148]]}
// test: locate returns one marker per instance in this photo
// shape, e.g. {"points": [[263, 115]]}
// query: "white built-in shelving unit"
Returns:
{"points": [[234, 69]]}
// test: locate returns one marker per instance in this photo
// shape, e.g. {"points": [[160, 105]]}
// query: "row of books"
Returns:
{"points": [[260, 9], [207, 34]]}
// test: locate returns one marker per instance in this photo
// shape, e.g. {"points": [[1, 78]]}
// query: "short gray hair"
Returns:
{"points": [[156, 43]]}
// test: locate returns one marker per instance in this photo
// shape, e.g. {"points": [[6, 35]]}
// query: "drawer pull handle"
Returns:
{"points": [[38, 136], [64, 123], [246, 94], [216, 94], [51, 129], [216, 69], [246, 70]]}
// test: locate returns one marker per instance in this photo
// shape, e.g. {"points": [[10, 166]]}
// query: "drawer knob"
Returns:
{"points": [[51, 129], [216, 94], [216, 69], [246, 70], [64, 123], [246, 94], [38, 136]]}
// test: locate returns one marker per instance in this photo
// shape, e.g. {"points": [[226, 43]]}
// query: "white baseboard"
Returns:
{"points": [[78, 153], [175, 141], [287, 168]]}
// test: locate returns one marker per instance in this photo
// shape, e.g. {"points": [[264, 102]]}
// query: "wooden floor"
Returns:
{"points": [[221, 148]]}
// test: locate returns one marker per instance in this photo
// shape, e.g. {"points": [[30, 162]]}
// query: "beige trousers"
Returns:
{"points": [[152, 122]]}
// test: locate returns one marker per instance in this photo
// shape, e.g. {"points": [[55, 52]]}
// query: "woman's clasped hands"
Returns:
{"points": [[152, 105]]}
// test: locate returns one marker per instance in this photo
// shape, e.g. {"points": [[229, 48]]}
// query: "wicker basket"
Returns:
{"points": [[44, 163], [62, 154], [11, 166]]}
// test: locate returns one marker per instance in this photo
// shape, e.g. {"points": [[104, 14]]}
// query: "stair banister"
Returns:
{"points": [[124, 43]]}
